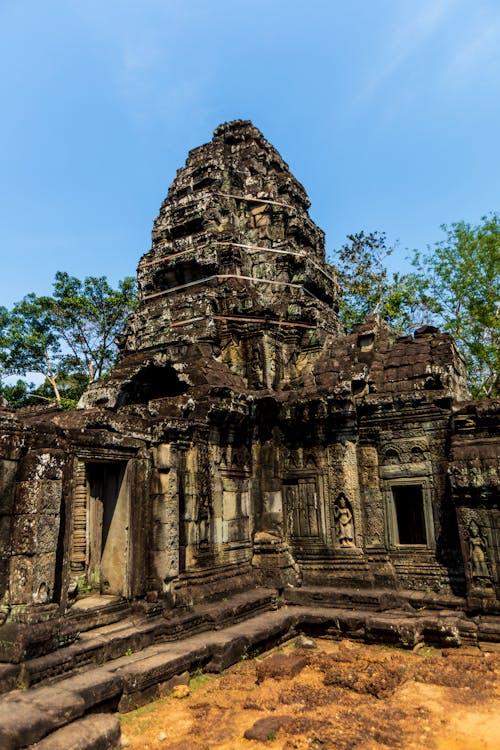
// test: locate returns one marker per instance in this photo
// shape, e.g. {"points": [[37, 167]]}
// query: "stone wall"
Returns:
{"points": [[244, 438]]}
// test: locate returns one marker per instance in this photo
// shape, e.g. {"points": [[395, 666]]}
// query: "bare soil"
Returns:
{"points": [[341, 695]]}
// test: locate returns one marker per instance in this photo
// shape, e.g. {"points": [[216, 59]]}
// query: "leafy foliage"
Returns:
{"points": [[17, 394], [368, 287], [458, 283], [30, 342], [68, 338], [87, 316]]}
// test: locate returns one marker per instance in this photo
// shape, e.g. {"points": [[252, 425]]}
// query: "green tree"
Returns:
{"points": [[458, 288], [68, 338], [30, 341], [367, 285], [17, 394], [88, 315]]}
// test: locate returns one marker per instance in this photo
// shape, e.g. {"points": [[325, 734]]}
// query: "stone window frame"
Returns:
{"points": [[392, 531]]}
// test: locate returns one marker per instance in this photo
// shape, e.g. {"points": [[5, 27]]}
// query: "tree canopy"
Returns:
{"points": [[458, 285], [367, 285], [67, 338]]}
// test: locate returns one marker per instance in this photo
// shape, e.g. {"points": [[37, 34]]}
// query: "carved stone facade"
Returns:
{"points": [[244, 438]]}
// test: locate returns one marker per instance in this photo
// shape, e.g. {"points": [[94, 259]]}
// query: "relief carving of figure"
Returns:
{"points": [[256, 365], [477, 552], [204, 514], [344, 523], [292, 510]]}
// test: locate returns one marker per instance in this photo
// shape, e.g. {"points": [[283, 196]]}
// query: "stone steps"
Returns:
{"points": [[27, 716], [95, 611], [372, 598], [129, 681], [132, 634]]}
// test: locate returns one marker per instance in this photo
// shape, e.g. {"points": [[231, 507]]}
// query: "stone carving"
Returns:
{"points": [[204, 518], [204, 505], [404, 452], [344, 522], [240, 457], [477, 552], [236, 363], [256, 366], [302, 504]]}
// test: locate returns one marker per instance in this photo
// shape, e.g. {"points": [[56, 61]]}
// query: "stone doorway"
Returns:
{"points": [[101, 529]]}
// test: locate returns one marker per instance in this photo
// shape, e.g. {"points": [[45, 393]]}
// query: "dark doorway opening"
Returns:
{"points": [[410, 516], [150, 383]]}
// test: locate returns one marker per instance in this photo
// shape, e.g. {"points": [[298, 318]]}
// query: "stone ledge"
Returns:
{"points": [[377, 599], [96, 732], [134, 633], [26, 717]]}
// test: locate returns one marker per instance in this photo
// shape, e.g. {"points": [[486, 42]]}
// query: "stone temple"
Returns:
{"points": [[245, 443]]}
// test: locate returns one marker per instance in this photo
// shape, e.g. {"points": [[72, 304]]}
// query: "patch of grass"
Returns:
{"points": [[198, 679], [139, 720], [272, 735]]}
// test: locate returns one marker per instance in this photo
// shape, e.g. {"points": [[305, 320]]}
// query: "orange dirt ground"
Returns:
{"points": [[343, 695]]}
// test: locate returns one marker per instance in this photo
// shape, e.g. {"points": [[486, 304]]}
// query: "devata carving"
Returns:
{"points": [[477, 552], [241, 428], [344, 523]]}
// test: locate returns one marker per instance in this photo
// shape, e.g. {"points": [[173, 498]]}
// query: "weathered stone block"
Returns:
{"points": [[43, 578], [165, 536], [48, 530], [50, 495], [20, 579], [7, 476], [27, 496], [5, 536], [24, 534], [163, 456], [42, 464], [160, 483], [96, 732], [21, 725], [21, 641], [166, 563]]}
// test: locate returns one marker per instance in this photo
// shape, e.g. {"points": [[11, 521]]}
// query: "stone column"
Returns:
{"points": [[31, 627], [343, 462], [165, 510]]}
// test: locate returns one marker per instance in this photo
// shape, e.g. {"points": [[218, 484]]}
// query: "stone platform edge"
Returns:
{"points": [[46, 716]]}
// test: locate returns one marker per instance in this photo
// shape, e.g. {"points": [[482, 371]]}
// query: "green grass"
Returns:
{"points": [[141, 714], [199, 679]]}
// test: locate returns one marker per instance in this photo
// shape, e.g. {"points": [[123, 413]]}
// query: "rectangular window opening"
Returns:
{"points": [[410, 516]]}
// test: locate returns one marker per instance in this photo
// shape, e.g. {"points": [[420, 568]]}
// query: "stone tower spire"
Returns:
{"points": [[234, 238], [236, 264]]}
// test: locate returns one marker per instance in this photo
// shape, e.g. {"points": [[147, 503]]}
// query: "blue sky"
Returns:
{"points": [[388, 111]]}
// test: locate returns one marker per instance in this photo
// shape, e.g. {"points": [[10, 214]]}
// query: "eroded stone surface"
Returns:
{"points": [[244, 439], [96, 732]]}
